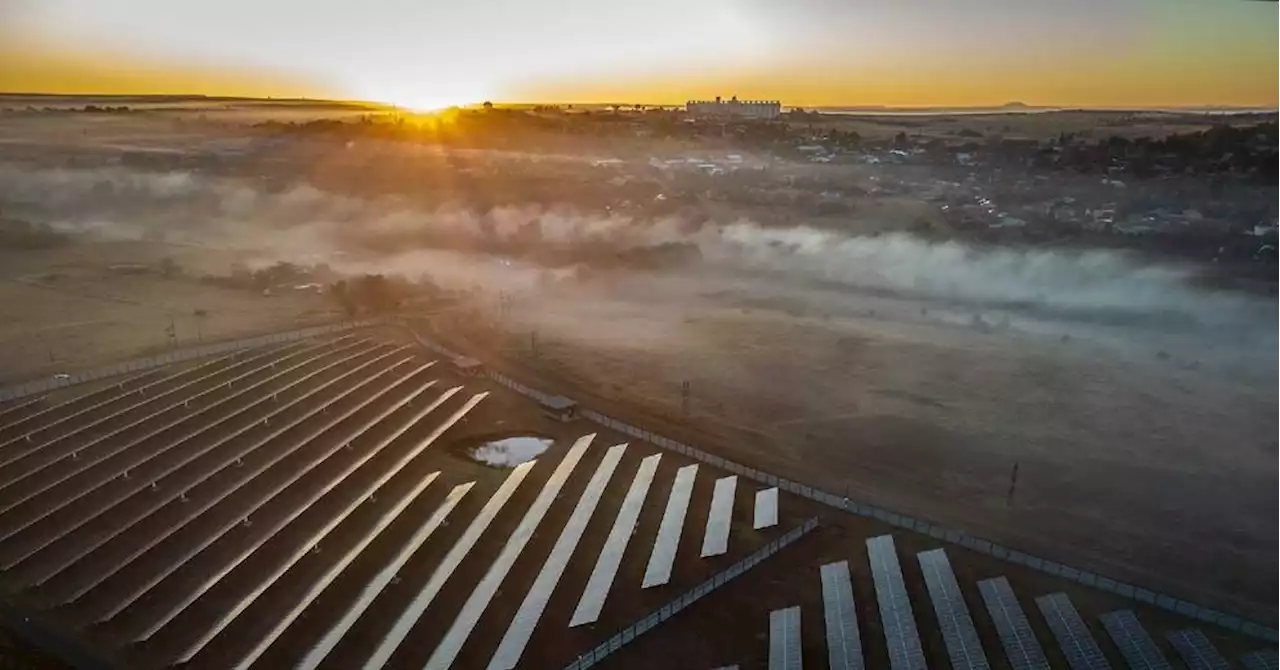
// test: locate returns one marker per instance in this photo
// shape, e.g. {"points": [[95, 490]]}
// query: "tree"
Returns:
{"points": [[169, 268], [340, 292], [375, 293]]}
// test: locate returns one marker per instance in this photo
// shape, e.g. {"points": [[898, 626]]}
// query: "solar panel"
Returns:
{"points": [[658, 571], [1072, 634], [784, 639], [535, 601], [323, 581], [20, 516], [445, 653], [77, 588], [277, 485], [26, 437], [844, 647], [958, 632], [615, 546], [1138, 649], [1265, 659], [1196, 649], [28, 463], [716, 540], [896, 617], [1016, 636], [404, 623], [330, 524], [189, 450], [766, 515]]}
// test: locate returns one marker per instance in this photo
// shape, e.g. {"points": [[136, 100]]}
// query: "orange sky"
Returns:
{"points": [[425, 53]]}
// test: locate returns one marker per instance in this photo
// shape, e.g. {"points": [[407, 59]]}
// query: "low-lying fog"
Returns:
{"points": [[669, 263]]}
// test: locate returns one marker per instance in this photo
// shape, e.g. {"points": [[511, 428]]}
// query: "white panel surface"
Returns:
{"points": [[766, 514], [535, 601], [404, 623], [658, 571], [601, 580], [445, 653], [716, 540]]}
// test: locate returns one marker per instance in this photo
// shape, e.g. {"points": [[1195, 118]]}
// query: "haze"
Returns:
{"points": [[1127, 53]]}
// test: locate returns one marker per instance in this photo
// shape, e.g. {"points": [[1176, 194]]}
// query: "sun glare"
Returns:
{"points": [[427, 102]]}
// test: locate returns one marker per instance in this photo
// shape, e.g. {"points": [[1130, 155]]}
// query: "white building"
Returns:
{"points": [[734, 108]]}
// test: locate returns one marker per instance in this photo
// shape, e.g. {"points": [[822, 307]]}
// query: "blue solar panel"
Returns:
{"points": [[896, 617], [1081, 650], [1264, 659], [844, 646], [1196, 650], [1016, 636], [784, 639], [1138, 649], [958, 632]]}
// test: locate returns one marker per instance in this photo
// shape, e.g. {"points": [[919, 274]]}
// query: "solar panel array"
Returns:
{"points": [[447, 651], [336, 519], [1081, 650], [844, 645], [1265, 659], [1015, 632], [112, 504], [1196, 650], [905, 652], [766, 512], [1137, 647], [958, 633], [716, 540], [135, 589], [322, 582], [110, 524], [535, 600], [265, 532], [404, 623], [784, 639], [658, 571], [100, 505], [615, 546]]}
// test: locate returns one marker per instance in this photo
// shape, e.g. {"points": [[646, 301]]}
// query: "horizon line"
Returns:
{"points": [[1010, 105]]}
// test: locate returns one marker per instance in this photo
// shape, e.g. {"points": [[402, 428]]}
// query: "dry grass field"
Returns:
{"points": [[87, 304]]}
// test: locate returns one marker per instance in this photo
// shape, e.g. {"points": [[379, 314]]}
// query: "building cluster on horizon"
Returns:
{"points": [[734, 108]]}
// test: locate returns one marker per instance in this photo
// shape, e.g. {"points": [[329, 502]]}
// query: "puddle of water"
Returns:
{"points": [[510, 452]]}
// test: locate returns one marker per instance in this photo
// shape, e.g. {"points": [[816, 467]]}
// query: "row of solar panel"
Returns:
{"points": [[959, 635], [714, 543]]}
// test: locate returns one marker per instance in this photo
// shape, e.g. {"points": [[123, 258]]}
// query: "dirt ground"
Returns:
{"points": [[68, 309], [1148, 468]]}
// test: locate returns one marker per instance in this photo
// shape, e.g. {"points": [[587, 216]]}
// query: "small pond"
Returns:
{"points": [[509, 452]]}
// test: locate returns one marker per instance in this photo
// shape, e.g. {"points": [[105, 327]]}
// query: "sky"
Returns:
{"points": [[429, 54]]}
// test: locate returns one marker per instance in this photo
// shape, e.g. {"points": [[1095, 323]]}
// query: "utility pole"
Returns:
{"points": [[1013, 484]]}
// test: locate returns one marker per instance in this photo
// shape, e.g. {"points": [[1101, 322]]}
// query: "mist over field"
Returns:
{"points": [[457, 244]]}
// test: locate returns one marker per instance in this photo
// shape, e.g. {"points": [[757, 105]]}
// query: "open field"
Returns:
{"points": [[90, 303]]}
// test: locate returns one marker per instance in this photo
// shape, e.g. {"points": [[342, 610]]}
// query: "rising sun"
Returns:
{"points": [[433, 100]]}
